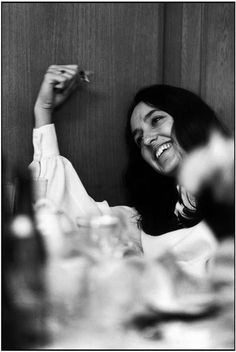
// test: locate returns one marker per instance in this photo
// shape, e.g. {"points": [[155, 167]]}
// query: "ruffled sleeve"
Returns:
{"points": [[64, 187]]}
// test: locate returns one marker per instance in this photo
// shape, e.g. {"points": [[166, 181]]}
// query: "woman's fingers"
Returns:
{"points": [[71, 86], [54, 78], [64, 93], [69, 69], [59, 82], [73, 67], [62, 74], [62, 77]]}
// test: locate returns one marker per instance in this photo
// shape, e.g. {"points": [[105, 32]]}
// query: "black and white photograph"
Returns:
{"points": [[118, 175]]}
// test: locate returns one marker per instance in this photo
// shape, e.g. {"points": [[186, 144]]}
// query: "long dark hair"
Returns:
{"points": [[153, 195]]}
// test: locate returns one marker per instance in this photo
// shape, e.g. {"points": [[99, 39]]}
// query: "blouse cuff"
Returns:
{"points": [[45, 142]]}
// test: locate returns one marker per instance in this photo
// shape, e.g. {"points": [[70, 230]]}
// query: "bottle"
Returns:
{"points": [[25, 271]]}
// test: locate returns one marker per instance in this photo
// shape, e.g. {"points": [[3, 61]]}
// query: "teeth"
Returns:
{"points": [[162, 148]]}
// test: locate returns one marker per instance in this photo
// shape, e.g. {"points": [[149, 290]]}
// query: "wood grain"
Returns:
{"points": [[121, 42], [191, 47], [218, 63], [128, 46], [172, 43], [199, 53]]}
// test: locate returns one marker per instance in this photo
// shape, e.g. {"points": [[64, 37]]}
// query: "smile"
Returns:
{"points": [[161, 149]]}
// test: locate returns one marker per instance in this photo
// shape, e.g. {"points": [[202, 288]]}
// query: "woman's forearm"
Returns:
{"points": [[42, 117]]}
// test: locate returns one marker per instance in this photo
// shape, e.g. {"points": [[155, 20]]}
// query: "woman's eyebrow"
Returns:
{"points": [[149, 114]]}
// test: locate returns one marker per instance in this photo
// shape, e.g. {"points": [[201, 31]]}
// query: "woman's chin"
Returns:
{"points": [[167, 167]]}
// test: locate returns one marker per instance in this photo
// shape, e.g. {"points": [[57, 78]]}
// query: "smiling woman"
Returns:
{"points": [[165, 124], [153, 133]]}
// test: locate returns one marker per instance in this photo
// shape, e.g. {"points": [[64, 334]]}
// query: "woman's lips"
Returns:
{"points": [[160, 150]]}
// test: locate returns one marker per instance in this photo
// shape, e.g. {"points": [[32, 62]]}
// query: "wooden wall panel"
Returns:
{"points": [[191, 47], [182, 43], [199, 53], [16, 86], [121, 42], [127, 45], [172, 43], [218, 51]]}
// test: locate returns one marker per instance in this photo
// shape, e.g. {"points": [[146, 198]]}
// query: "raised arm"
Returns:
{"points": [[58, 83], [64, 187]]}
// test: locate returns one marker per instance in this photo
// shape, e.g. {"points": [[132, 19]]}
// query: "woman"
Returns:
{"points": [[166, 124], [165, 131]]}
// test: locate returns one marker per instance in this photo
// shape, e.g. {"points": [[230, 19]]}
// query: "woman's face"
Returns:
{"points": [[153, 132]]}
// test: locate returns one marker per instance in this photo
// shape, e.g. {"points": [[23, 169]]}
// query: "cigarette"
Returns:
{"points": [[84, 75]]}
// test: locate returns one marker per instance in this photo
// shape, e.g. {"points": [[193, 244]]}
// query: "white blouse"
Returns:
{"points": [[193, 247]]}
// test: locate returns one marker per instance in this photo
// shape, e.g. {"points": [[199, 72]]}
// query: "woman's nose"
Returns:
{"points": [[148, 140]]}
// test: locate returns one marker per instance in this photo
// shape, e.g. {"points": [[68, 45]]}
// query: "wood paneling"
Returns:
{"points": [[172, 44], [121, 42], [199, 53], [218, 51], [128, 46], [191, 47]]}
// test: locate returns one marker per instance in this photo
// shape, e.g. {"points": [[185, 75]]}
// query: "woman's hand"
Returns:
{"points": [[59, 82]]}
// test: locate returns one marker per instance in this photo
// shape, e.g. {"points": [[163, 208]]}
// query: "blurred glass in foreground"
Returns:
{"points": [[88, 285], [23, 273], [208, 173]]}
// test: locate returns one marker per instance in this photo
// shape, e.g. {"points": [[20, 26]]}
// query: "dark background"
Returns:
{"points": [[128, 46]]}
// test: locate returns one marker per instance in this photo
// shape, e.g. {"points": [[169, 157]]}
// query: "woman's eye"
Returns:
{"points": [[155, 120]]}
